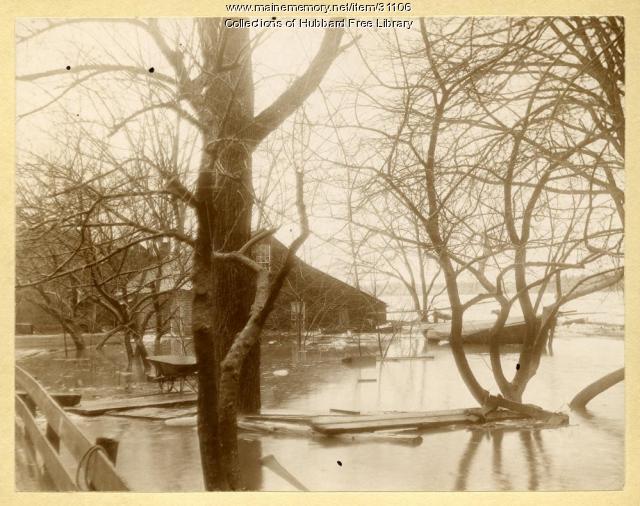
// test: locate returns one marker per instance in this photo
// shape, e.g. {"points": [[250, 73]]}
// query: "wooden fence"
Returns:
{"points": [[92, 462]]}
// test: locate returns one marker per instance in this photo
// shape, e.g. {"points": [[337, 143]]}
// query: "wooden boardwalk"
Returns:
{"points": [[422, 421], [156, 413], [100, 407]]}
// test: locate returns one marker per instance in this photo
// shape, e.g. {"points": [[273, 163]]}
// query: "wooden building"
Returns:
{"points": [[310, 300]]}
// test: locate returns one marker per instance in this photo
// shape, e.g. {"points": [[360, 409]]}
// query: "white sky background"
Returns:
{"points": [[281, 55]]}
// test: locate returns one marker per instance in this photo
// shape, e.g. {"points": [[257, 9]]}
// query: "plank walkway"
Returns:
{"points": [[155, 413], [426, 420], [100, 407]]}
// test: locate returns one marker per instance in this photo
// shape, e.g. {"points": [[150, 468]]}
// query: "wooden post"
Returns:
{"points": [[53, 438], [110, 446]]}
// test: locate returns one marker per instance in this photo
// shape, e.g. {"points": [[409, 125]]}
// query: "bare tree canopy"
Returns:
{"points": [[465, 160]]}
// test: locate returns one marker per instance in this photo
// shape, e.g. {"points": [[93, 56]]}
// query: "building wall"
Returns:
{"points": [[328, 302], [90, 317], [175, 314]]}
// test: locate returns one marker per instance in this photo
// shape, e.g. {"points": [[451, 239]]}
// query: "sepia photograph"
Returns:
{"points": [[297, 249]]}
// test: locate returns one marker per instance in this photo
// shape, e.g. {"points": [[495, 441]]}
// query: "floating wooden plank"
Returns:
{"points": [[102, 473], [154, 413], [376, 437], [183, 421], [370, 423], [254, 424], [399, 359], [100, 407], [275, 427], [279, 418], [344, 411], [244, 425], [291, 429], [373, 423], [386, 415]]}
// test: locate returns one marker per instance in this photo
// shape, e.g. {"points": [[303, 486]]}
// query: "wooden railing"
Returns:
{"points": [[92, 462]]}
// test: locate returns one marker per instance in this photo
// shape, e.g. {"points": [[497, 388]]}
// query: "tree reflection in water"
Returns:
{"points": [[467, 459], [250, 453], [533, 451]]}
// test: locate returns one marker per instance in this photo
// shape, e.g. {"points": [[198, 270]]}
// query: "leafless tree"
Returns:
{"points": [[205, 77], [501, 139]]}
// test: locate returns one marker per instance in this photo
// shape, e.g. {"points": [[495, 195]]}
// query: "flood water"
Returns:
{"points": [[587, 454]]}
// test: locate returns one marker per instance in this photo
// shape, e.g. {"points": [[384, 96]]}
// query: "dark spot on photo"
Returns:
{"points": [[68, 67], [151, 70], [340, 463]]}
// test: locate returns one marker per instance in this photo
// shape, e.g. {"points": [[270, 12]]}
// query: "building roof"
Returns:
{"points": [[333, 278], [175, 279]]}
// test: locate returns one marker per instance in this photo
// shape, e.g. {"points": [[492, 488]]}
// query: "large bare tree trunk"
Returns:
{"points": [[75, 334], [432, 226], [224, 290], [229, 100]]}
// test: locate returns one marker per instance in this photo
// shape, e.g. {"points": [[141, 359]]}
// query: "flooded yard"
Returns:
{"points": [[310, 180], [586, 454]]}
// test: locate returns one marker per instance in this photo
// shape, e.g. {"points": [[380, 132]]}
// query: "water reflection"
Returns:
{"points": [[250, 453], [496, 444], [598, 422], [531, 457], [531, 447], [467, 459], [154, 456], [30, 473]]}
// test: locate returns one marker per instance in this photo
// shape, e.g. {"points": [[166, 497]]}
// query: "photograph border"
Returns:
{"points": [[630, 495]]}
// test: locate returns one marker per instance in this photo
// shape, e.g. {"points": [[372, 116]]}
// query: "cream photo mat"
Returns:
{"points": [[12, 9]]}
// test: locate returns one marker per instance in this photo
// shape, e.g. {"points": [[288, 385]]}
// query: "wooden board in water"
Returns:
{"points": [[422, 420], [155, 413], [99, 407], [400, 359]]}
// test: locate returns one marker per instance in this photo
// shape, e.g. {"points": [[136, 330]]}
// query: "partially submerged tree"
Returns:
{"points": [[503, 144], [206, 78], [77, 251]]}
